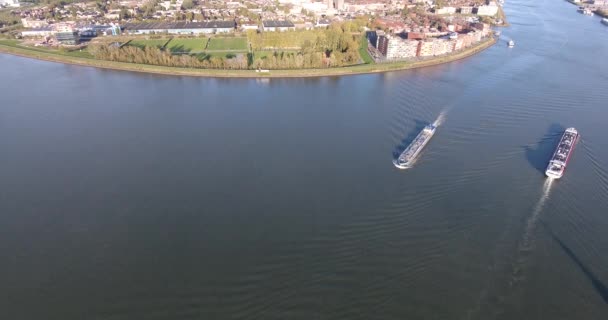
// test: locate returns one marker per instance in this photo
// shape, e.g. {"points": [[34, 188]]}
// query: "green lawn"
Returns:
{"points": [[363, 51], [187, 45], [224, 44], [75, 53], [142, 43]]}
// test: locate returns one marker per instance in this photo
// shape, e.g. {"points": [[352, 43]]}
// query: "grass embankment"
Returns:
{"points": [[141, 43], [77, 53], [367, 59], [12, 47], [503, 17]]}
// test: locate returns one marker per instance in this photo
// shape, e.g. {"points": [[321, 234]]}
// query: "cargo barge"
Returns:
{"points": [[407, 157], [562, 154]]}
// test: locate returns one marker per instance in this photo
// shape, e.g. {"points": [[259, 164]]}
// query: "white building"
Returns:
{"points": [[490, 10], [29, 23], [335, 4], [39, 32], [446, 10]]}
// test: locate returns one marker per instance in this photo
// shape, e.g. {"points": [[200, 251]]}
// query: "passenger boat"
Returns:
{"points": [[605, 21], [511, 44], [562, 154], [407, 157]]}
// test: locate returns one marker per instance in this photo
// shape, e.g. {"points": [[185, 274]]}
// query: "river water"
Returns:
{"points": [[132, 196]]}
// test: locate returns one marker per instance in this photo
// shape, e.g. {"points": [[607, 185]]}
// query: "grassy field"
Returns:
{"points": [[58, 56], [363, 51], [187, 45], [288, 40], [76, 53], [142, 43], [226, 44]]}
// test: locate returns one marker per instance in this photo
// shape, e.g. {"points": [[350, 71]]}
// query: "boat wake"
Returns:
{"points": [[441, 118], [533, 220], [527, 241]]}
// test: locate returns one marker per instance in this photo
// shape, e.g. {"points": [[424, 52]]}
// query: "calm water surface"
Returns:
{"points": [[130, 196]]}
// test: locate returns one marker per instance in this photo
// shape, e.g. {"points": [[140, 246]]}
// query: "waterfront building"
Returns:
{"points": [[489, 10], [68, 37], [599, 2], [466, 10]]}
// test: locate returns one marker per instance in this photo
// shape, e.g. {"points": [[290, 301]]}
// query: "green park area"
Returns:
{"points": [[227, 44], [219, 47], [196, 45], [285, 40], [142, 43]]}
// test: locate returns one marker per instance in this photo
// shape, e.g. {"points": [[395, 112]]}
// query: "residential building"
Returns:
{"points": [[29, 23], [249, 26], [322, 23], [599, 2], [181, 27], [488, 10], [278, 25], [445, 10], [466, 10]]}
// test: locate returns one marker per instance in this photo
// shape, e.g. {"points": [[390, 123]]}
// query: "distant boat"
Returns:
{"points": [[586, 11], [497, 33], [511, 44], [605, 21], [408, 155]]}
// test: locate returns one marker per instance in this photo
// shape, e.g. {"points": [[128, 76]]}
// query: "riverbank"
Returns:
{"points": [[13, 49], [503, 17]]}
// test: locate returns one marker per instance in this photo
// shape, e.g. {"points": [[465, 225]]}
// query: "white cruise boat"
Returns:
{"points": [[511, 44]]}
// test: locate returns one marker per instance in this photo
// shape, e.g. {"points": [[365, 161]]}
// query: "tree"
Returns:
{"points": [[187, 4], [189, 16], [124, 14]]}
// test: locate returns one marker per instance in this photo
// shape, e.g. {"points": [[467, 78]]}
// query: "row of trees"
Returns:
{"points": [[331, 47], [156, 56]]}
